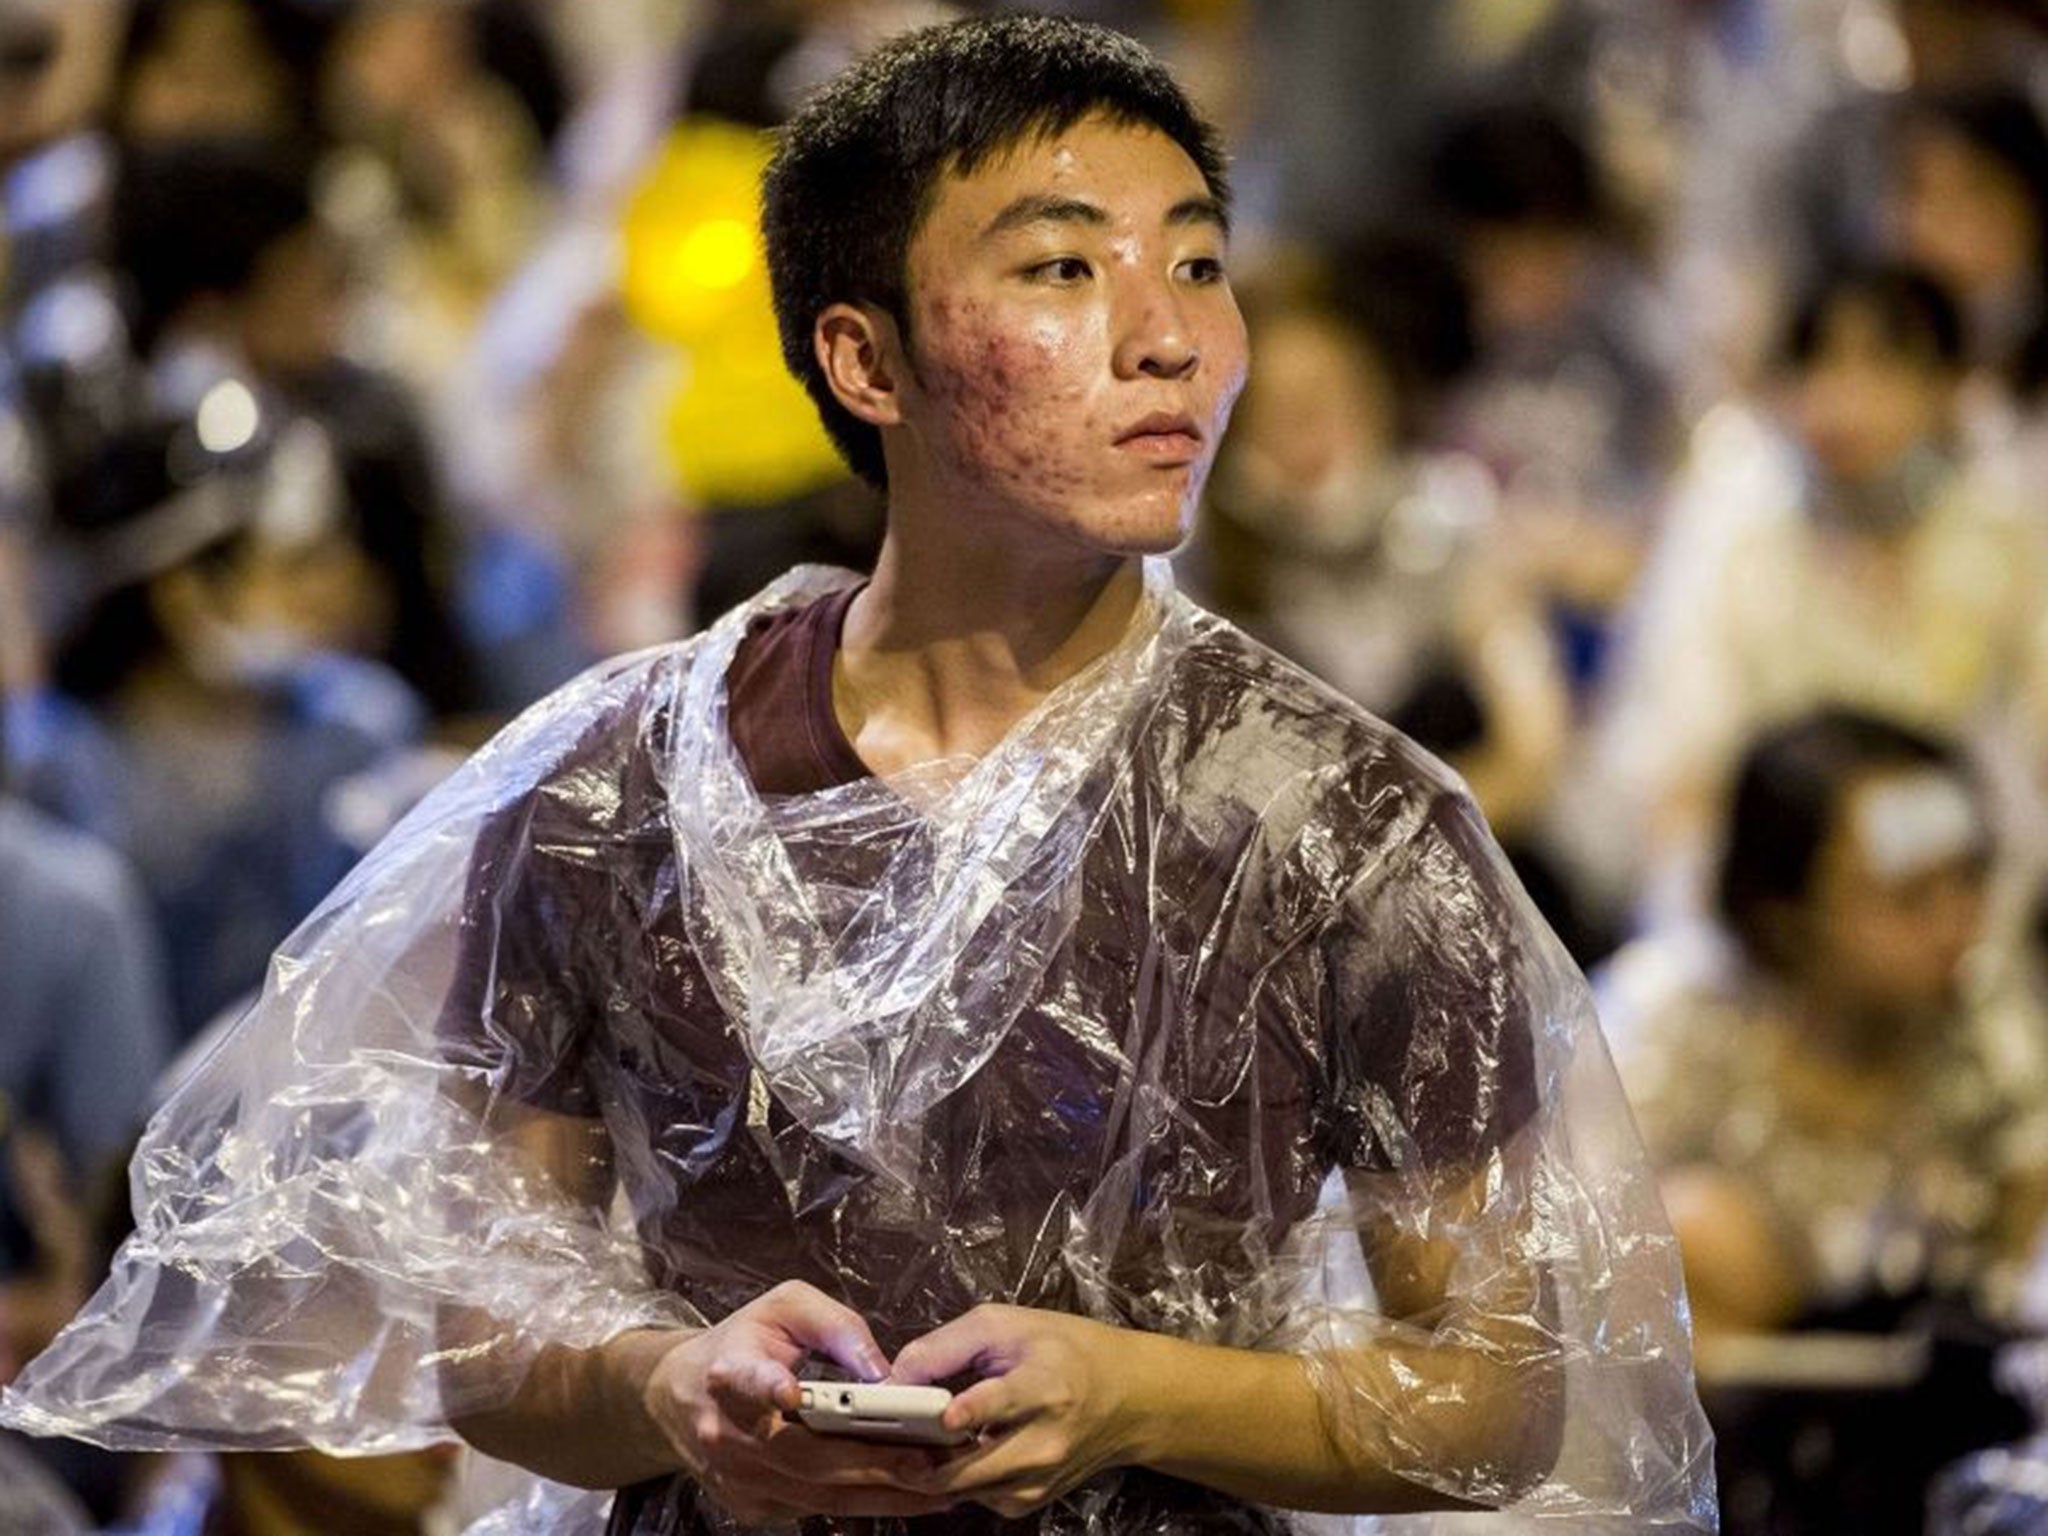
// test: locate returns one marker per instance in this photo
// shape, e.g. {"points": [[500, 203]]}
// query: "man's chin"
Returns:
{"points": [[1133, 533]]}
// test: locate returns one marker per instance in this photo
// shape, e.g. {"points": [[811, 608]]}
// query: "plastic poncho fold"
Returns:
{"points": [[1203, 1004]]}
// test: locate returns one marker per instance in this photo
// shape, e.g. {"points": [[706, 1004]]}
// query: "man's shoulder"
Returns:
{"points": [[588, 754], [1254, 721], [1260, 760]]}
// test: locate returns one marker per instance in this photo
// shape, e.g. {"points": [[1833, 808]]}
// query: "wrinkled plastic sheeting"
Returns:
{"points": [[1202, 1005]]}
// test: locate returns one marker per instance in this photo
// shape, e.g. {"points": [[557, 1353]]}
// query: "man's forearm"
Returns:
{"points": [[580, 1416], [1256, 1425]]}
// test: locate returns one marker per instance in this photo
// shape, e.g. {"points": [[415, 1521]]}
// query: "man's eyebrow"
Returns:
{"points": [[1043, 208], [1199, 210]]}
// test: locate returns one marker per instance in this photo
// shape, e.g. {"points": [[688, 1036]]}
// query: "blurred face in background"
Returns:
{"points": [[246, 616], [322, 593], [1320, 411], [209, 71], [28, 46], [1897, 897], [1965, 215], [394, 60], [1526, 278], [1862, 401], [293, 313]]}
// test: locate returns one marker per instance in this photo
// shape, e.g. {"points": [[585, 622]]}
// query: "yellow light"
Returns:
{"points": [[740, 431], [719, 253]]}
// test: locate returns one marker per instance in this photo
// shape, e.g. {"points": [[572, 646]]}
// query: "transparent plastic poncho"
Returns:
{"points": [[1203, 1004]]}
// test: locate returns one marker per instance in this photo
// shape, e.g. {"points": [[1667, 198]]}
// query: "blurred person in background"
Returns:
{"points": [[1843, 86], [439, 183], [229, 728], [84, 1030], [577, 545], [1970, 206], [1571, 401], [1840, 550], [55, 59], [64, 354], [84, 1018], [196, 69], [1333, 532], [223, 572], [237, 282], [52, 756], [1839, 1148]]}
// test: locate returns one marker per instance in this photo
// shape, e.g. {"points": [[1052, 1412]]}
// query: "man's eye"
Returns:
{"points": [[1205, 269], [1061, 269]]}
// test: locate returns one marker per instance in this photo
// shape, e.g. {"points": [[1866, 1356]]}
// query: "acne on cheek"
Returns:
{"points": [[997, 382]]}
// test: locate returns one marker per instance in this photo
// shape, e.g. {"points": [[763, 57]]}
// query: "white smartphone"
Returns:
{"points": [[879, 1412]]}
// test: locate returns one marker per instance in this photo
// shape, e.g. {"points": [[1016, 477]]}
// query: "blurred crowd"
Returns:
{"points": [[1649, 414]]}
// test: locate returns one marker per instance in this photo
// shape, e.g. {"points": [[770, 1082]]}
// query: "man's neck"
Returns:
{"points": [[956, 640]]}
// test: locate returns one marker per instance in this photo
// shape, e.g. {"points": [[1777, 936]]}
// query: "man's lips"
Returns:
{"points": [[1163, 436]]}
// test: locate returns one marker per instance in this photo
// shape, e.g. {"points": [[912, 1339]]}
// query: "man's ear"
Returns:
{"points": [[859, 350]]}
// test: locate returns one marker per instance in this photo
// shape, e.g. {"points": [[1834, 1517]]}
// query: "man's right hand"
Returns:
{"points": [[719, 1398]]}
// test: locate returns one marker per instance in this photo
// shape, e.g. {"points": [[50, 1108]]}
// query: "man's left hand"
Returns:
{"points": [[1057, 1402]]}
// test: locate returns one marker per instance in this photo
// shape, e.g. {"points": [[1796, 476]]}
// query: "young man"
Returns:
{"points": [[996, 973]]}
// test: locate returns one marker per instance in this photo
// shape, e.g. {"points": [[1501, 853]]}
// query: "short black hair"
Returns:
{"points": [[295, 33], [2001, 124], [1915, 314], [1409, 298], [1512, 161], [135, 474], [858, 165], [196, 217], [1787, 802]]}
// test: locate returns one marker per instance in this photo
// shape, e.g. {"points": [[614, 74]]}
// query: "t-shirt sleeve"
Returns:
{"points": [[1439, 978], [518, 1018]]}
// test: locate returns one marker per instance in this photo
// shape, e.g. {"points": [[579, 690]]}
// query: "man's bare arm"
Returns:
{"points": [[1465, 1394], [578, 1416]]}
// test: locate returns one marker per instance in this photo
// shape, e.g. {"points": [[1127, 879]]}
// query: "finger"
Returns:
{"points": [[990, 1465], [991, 1404], [750, 1385], [829, 1327], [976, 1339]]}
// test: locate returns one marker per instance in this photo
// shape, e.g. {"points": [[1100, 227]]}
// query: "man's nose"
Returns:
{"points": [[1156, 341]]}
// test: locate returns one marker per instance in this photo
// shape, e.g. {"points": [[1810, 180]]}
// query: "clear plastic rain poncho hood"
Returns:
{"points": [[1203, 1004]]}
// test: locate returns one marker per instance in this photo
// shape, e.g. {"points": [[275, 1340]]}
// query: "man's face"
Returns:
{"points": [[1075, 347]]}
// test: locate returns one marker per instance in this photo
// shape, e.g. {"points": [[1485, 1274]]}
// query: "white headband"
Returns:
{"points": [[1915, 823]]}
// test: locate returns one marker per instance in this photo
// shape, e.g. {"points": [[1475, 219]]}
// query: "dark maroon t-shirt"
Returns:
{"points": [[1273, 1045], [779, 701]]}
